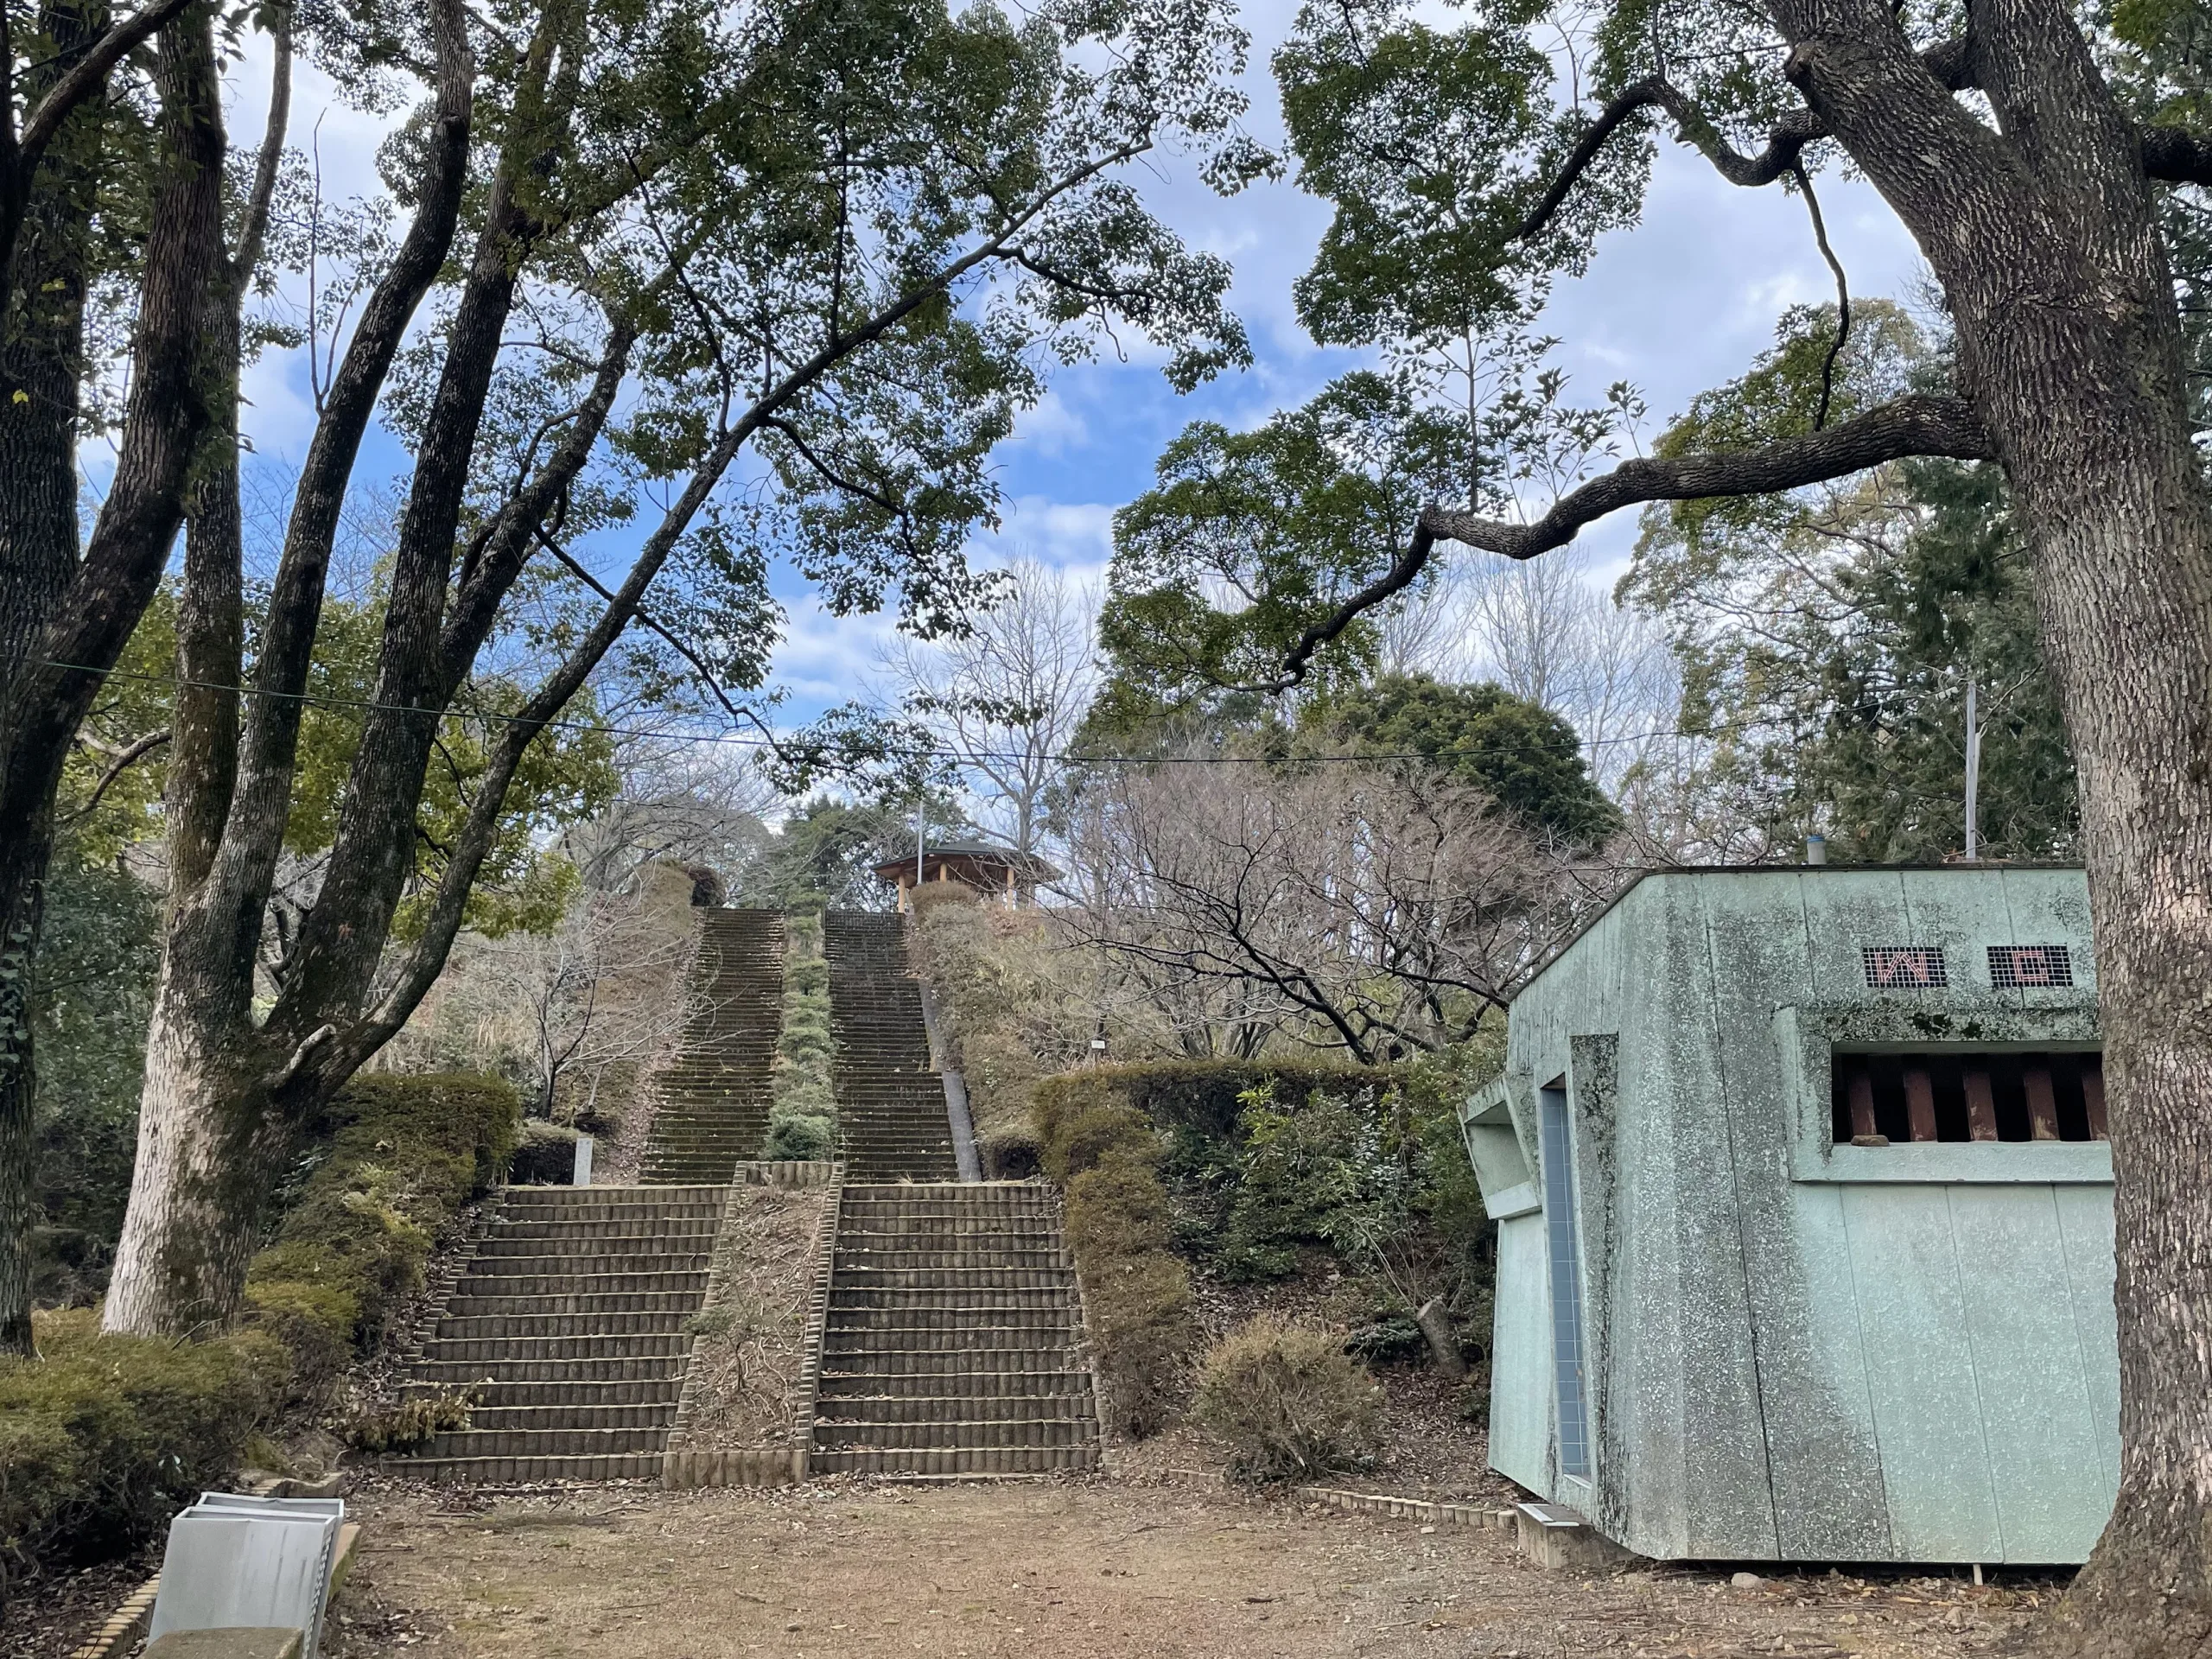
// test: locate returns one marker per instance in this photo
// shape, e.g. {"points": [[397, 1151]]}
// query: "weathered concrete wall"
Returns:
{"points": [[1796, 1350]]}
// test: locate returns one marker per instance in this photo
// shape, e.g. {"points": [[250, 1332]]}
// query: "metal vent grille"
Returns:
{"points": [[2012, 966], [1905, 967]]}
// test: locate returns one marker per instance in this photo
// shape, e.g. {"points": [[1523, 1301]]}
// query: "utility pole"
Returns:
{"points": [[1973, 778]]}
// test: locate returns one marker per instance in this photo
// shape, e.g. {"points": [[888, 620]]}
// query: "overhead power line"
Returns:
{"points": [[970, 757]]}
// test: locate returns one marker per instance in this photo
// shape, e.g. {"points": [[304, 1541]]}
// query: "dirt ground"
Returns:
{"points": [[1085, 1569]]}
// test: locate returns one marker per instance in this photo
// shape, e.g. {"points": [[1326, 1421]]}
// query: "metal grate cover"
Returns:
{"points": [[2013, 967], [1905, 967]]}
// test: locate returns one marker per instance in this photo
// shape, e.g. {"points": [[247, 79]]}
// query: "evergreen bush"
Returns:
{"points": [[803, 1104], [103, 1439], [1288, 1401], [545, 1155]]}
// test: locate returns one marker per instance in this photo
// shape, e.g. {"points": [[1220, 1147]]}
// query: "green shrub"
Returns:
{"points": [[1008, 1152], [797, 1135], [403, 1153], [1288, 1401], [803, 1107], [544, 1156], [103, 1439], [1137, 1293], [1144, 1333]]}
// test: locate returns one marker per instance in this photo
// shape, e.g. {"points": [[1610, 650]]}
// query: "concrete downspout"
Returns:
{"points": [[956, 1094]]}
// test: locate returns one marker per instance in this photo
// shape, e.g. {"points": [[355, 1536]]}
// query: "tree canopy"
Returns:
{"points": [[1525, 758]]}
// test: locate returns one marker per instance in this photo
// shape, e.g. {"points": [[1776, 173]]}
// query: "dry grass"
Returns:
{"points": [[752, 1335]]}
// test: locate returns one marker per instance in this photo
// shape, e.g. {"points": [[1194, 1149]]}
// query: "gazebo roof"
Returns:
{"points": [[981, 853]]}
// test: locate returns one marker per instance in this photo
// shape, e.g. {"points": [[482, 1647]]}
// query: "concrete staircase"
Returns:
{"points": [[953, 1340], [713, 1098], [891, 1106], [567, 1315]]}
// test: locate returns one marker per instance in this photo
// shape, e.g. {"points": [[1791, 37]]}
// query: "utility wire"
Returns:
{"points": [[969, 757]]}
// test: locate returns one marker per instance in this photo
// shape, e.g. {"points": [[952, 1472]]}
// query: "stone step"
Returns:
{"points": [[580, 1235], [1060, 1381], [637, 1304], [1056, 1294], [569, 1415], [971, 1433], [905, 1314], [507, 1349], [579, 1394], [457, 1371], [879, 1408], [518, 1198], [643, 1246], [505, 1471], [564, 1442], [468, 1327], [621, 1287], [943, 1460], [883, 1354]]}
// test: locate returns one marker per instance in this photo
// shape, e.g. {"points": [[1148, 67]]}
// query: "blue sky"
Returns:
{"points": [[1675, 305]]}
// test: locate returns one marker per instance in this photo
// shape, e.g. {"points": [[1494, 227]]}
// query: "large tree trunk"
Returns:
{"points": [[53, 607], [41, 353], [197, 1191], [2045, 236], [2115, 508]]}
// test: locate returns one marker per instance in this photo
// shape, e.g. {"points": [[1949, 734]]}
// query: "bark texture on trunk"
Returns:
{"points": [[64, 620], [2045, 236], [206, 1162], [41, 355], [211, 1111]]}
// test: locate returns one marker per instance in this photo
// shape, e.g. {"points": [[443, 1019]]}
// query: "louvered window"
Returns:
{"points": [[1879, 1099]]}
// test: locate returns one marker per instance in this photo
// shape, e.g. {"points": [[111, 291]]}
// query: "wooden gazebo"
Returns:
{"points": [[996, 872]]}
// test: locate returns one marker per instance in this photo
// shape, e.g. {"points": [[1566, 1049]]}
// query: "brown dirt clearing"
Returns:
{"points": [[1098, 1567]]}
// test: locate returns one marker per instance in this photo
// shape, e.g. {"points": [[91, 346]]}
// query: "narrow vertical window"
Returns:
{"points": [[1565, 1241]]}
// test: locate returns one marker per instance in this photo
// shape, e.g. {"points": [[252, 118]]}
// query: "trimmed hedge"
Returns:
{"points": [[803, 1111], [1106, 1155], [102, 1439], [404, 1153]]}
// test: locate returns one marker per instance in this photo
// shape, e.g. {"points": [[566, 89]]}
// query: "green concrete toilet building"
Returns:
{"points": [[1804, 1219]]}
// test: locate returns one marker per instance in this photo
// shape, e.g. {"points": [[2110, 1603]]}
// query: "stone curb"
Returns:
{"points": [[1411, 1509], [817, 1324]]}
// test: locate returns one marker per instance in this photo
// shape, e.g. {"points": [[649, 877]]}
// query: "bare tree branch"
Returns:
{"points": [[255, 228], [1842, 296], [1915, 425], [130, 754], [1951, 62], [1400, 576]]}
